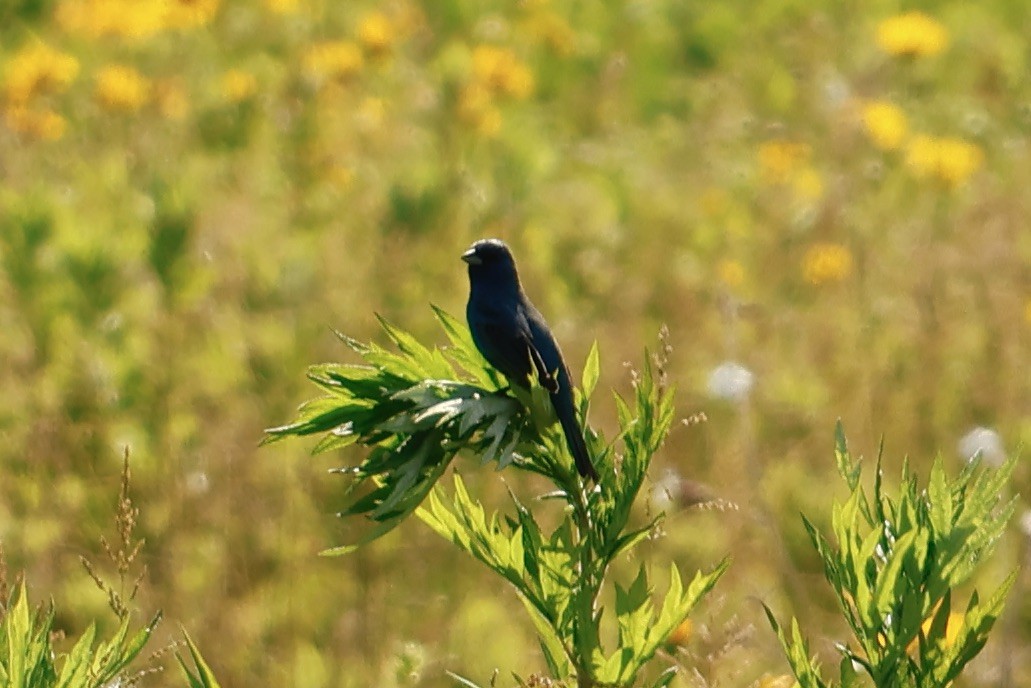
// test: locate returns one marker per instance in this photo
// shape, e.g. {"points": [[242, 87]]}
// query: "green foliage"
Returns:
{"points": [[633, 184], [201, 675], [894, 566], [29, 660], [414, 418], [412, 412], [28, 656]]}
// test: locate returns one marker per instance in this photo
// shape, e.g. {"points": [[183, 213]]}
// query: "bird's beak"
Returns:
{"points": [[471, 257]]}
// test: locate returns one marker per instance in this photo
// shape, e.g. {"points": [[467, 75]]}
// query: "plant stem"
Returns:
{"points": [[588, 584]]}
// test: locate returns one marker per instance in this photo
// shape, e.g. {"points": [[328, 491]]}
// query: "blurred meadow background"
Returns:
{"points": [[825, 202]]}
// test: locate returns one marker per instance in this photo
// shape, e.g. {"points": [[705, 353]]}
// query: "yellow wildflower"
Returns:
{"points": [[949, 160], [135, 19], [912, 34], [43, 125], [553, 30], [476, 108], [376, 33], [332, 60], [731, 273], [502, 71], [780, 159], [282, 6], [122, 88], [38, 70], [826, 262], [188, 14], [238, 85], [885, 124], [785, 162]]}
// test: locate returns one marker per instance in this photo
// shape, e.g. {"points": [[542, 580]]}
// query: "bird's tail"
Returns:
{"points": [[574, 435]]}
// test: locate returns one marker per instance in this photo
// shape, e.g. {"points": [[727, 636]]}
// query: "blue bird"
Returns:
{"points": [[512, 335]]}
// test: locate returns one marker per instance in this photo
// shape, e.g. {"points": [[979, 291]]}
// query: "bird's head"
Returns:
{"points": [[490, 259]]}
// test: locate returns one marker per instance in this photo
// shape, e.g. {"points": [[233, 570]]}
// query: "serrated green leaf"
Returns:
{"points": [[796, 650], [630, 599], [864, 594], [890, 585], [77, 664], [555, 653]]}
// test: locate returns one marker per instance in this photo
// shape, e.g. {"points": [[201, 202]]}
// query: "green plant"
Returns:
{"points": [[894, 567], [28, 659], [27, 655], [416, 409]]}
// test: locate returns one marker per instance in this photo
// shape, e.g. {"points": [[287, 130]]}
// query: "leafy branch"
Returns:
{"points": [[894, 567], [415, 409]]}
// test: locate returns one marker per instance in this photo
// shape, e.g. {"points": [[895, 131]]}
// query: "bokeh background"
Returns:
{"points": [[825, 202]]}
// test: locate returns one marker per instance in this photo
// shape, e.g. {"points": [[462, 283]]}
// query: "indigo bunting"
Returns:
{"points": [[512, 335]]}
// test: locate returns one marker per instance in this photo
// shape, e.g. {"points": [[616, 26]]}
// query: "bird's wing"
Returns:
{"points": [[518, 348], [545, 376], [544, 350], [550, 359]]}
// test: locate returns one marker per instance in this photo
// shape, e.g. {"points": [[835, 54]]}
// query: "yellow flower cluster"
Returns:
{"points": [[340, 60], [949, 160], [783, 162], [501, 71], [120, 88], [237, 85], [551, 29], [32, 74], [377, 34], [42, 124], [38, 70], [282, 6], [134, 19], [885, 124], [332, 61], [912, 34], [496, 73], [188, 14], [826, 262], [476, 107]]}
